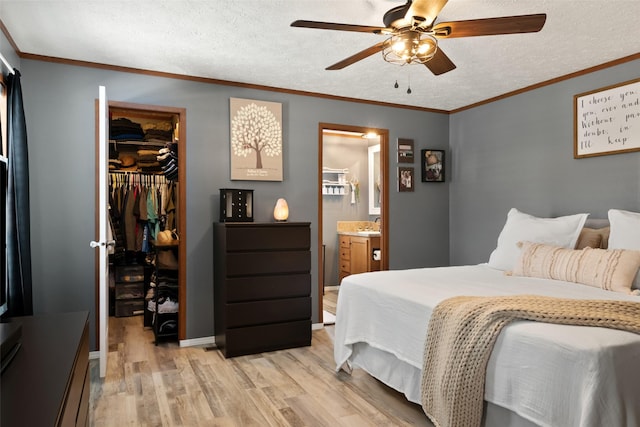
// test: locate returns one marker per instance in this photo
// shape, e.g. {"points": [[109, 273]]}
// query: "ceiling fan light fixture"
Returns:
{"points": [[399, 46], [424, 48], [411, 47]]}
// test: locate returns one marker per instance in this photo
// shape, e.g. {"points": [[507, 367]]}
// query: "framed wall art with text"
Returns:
{"points": [[607, 120]]}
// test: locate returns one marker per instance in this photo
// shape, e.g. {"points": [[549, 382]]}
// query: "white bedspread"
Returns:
{"points": [[553, 375]]}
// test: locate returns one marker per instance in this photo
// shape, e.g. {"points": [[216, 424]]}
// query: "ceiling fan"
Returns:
{"points": [[413, 34]]}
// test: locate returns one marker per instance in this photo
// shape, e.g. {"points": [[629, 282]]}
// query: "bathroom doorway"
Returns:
{"points": [[353, 178]]}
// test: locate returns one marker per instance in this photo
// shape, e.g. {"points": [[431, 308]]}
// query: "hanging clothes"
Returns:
{"points": [[139, 208], [168, 159]]}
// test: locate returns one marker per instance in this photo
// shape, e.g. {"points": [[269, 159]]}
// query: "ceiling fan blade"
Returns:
{"points": [[358, 56], [427, 9], [491, 26], [334, 26], [440, 63]]}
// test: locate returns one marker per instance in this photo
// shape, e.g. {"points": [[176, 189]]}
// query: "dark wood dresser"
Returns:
{"points": [[47, 383], [262, 286]]}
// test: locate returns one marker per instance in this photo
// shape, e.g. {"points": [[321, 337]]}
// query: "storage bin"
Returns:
{"points": [[126, 308], [129, 290], [129, 273]]}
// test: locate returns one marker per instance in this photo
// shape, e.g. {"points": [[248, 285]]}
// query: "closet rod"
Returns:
{"points": [[6, 63], [137, 173]]}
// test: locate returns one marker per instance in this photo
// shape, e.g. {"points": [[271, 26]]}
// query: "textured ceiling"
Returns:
{"points": [[251, 41]]}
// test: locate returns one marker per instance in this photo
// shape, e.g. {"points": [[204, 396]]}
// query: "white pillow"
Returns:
{"points": [[625, 229], [625, 233], [562, 231]]}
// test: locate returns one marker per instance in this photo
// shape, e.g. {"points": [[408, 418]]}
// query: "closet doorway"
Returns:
{"points": [[354, 189], [128, 167]]}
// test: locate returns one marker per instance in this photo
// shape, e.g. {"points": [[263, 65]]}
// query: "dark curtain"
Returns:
{"points": [[19, 293]]}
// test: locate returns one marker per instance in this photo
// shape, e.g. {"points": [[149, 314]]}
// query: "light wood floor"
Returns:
{"points": [[165, 385], [330, 299]]}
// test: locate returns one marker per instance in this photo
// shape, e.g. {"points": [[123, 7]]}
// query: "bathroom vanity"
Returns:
{"points": [[359, 252]]}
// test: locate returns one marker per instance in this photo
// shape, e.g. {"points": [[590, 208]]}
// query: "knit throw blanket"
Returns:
{"points": [[463, 330]]}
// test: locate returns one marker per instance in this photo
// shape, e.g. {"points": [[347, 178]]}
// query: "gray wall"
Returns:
{"points": [[518, 152], [59, 107], [8, 53]]}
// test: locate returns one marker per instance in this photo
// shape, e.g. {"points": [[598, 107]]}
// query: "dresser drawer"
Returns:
{"points": [[78, 392], [268, 287], [83, 413], [258, 238], [345, 254], [342, 275], [269, 311], [258, 263], [258, 339], [344, 241]]}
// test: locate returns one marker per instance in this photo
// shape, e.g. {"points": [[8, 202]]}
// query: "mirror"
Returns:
{"points": [[375, 189]]}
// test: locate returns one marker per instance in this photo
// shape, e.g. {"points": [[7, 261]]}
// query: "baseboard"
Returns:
{"points": [[193, 342], [95, 355], [332, 288]]}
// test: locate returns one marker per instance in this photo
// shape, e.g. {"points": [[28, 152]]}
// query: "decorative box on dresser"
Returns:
{"points": [[262, 286]]}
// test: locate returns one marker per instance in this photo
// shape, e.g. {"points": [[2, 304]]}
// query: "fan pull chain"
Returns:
{"points": [[396, 85]]}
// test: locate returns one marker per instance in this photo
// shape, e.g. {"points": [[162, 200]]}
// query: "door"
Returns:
{"points": [[382, 212], [103, 242], [359, 254]]}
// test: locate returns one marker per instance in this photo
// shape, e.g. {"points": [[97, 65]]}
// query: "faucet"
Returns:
{"points": [[377, 220]]}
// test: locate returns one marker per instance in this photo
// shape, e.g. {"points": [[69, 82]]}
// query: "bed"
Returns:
{"points": [[538, 374]]}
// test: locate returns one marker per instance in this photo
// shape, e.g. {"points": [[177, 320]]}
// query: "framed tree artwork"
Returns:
{"points": [[256, 140], [433, 166], [405, 179]]}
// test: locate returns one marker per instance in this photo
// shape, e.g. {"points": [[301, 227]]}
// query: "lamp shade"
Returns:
{"points": [[281, 211]]}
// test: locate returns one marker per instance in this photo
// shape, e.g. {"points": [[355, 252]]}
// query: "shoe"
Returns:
{"points": [[168, 306]]}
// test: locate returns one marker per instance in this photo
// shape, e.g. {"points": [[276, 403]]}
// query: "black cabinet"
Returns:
{"points": [[47, 383], [262, 286]]}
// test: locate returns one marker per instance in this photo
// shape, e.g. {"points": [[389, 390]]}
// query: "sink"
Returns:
{"points": [[368, 233]]}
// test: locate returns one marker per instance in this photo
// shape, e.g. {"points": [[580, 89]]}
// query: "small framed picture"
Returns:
{"points": [[405, 179], [405, 150], [432, 165]]}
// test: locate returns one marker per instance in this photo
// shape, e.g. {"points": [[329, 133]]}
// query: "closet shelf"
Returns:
{"points": [[163, 322], [333, 170], [337, 185], [139, 143]]}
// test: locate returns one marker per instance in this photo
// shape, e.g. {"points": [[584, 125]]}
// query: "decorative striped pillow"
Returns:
{"points": [[612, 270]]}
